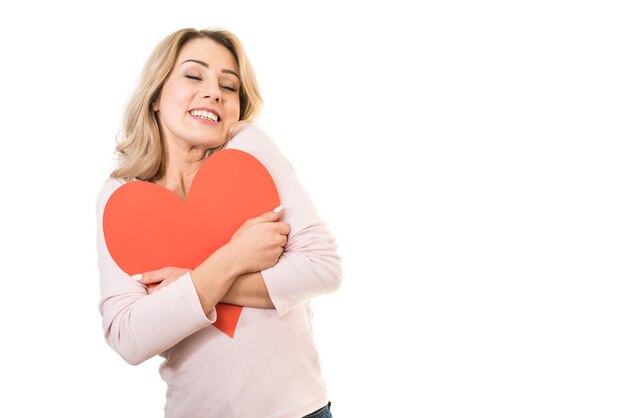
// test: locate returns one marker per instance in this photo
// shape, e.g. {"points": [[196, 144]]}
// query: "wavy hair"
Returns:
{"points": [[140, 143]]}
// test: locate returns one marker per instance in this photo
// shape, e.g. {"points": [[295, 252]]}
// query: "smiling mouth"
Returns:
{"points": [[206, 115]]}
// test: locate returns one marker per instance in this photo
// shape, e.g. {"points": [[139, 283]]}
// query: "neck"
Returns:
{"points": [[181, 165]]}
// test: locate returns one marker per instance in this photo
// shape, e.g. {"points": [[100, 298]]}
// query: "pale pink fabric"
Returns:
{"points": [[271, 368]]}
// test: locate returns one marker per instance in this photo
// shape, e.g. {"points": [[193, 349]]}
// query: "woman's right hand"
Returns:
{"points": [[259, 242]]}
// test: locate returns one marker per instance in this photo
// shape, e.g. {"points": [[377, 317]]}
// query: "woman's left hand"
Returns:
{"points": [[158, 279]]}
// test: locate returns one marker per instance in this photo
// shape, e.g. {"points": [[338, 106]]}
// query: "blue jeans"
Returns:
{"points": [[321, 413]]}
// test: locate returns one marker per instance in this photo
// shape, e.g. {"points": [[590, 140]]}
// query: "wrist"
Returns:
{"points": [[226, 258], [214, 277]]}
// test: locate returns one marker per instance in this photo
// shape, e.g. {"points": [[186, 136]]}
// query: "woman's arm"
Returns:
{"points": [[135, 325], [310, 265], [256, 245], [249, 290]]}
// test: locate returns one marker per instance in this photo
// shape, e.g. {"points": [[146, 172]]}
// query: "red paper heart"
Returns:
{"points": [[148, 227]]}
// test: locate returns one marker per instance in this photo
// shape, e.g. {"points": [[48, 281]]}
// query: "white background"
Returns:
{"points": [[468, 156]]}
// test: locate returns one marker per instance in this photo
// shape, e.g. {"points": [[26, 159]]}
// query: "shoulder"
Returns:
{"points": [[252, 139], [107, 189]]}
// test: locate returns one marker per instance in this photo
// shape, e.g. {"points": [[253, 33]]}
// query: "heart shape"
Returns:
{"points": [[148, 227]]}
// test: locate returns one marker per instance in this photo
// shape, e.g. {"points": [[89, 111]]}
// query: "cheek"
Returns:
{"points": [[233, 111], [177, 98], [173, 95]]}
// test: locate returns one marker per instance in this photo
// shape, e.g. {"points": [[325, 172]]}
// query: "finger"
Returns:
{"points": [[154, 287], [157, 286], [283, 228], [154, 276], [270, 216]]}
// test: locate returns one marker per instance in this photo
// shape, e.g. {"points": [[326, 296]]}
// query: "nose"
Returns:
{"points": [[211, 91]]}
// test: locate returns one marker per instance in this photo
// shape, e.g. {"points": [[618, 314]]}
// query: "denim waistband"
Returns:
{"points": [[323, 412]]}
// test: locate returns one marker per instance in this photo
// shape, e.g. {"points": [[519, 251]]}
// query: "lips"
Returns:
{"points": [[206, 114]]}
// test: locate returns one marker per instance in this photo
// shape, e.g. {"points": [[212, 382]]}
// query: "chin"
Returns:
{"points": [[210, 143]]}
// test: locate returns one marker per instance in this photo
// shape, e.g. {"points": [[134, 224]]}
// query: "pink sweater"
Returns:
{"points": [[271, 368]]}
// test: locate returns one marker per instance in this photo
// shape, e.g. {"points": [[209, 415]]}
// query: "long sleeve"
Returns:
{"points": [[136, 325], [310, 265]]}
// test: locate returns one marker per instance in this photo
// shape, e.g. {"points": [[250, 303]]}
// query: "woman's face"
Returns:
{"points": [[199, 101]]}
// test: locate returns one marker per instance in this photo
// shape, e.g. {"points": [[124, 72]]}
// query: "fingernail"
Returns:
{"points": [[136, 276], [278, 209]]}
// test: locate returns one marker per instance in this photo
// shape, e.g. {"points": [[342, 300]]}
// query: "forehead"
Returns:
{"points": [[209, 51]]}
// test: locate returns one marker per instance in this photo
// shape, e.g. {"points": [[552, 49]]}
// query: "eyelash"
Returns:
{"points": [[193, 77]]}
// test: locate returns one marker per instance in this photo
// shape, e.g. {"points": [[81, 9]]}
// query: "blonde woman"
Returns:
{"points": [[198, 94]]}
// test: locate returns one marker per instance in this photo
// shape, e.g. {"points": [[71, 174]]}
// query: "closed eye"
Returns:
{"points": [[193, 77], [229, 88]]}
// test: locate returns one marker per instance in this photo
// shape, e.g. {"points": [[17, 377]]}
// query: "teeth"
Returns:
{"points": [[205, 114]]}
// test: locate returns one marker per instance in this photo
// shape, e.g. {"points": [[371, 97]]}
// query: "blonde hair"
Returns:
{"points": [[140, 144]]}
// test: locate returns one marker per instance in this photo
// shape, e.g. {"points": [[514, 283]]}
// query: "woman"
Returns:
{"points": [[196, 95]]}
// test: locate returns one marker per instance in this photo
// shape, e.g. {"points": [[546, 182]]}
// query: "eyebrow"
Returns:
{"points": [[204, 64]]}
